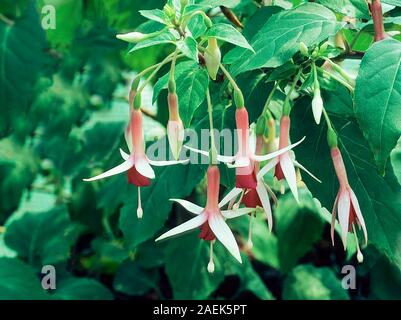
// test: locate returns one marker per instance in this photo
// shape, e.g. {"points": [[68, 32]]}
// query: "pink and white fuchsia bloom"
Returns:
{"points": [[211, 219], [246, 158], [346, 204], [136, 164], [285, 163]]}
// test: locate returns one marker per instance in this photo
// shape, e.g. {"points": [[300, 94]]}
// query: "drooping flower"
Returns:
{"points": [[259, 196], [136, 164], [346, 204], [211, 219], [245, 159], [175, 128], [285, 164]]}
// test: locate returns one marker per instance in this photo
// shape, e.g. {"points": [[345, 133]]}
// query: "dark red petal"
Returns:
{"points": [[135, 178], [247, 181], [251, 199], [206, 233], [352, 218], [278, 172]]}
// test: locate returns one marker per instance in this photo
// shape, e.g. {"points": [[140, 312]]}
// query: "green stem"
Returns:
{"points": [[315, 78], [229, 77], [327, 118], [340, 70], [345, 84], [269, 98], [286, 106], [213, 150], [156, 68]]}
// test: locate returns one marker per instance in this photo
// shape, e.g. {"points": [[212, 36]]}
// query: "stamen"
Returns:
{"points": [[359, 255], [210, 265], [249, 243], [237, 204], [139, 211]]}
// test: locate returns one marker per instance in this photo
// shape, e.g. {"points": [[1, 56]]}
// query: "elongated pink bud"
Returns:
{"points": [[175, 128], [213, 188], [242, 122], [137, 132]]}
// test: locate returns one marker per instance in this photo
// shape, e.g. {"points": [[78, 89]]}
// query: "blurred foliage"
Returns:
{"points": [[63, 105]]}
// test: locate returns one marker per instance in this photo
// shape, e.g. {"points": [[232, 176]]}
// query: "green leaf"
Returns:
{"points": [[396, 3], [188, 47], [298, 227], [186, 267], [307, 282], [395, 157], [19, 281], [68, 15], [249, 279], [82, 289], [228, 33], [133, 280], [379, 198], [192, 82], [42, 237], [265, 244], [164, 38], [278, 40], [25, 35], [216, 3], [172, 182], [155, 15], [349, 8], [378, 96]]}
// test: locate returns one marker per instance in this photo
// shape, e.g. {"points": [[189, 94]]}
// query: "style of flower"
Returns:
{"points": [[136, 164], [211, 219], [285, 163], [346, 204]]}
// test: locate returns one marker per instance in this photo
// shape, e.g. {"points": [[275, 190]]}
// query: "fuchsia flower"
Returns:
{"points": [[346, 203], [285, 163], [136, 164], [245, 159], [211, 219]]}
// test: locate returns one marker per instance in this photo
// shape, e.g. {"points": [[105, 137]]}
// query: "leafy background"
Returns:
{"points": [[63, 104]]}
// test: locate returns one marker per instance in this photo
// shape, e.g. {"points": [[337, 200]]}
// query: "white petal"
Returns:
{"points": [[333, 218], [300, 166], [344, 204], [240, 162], [167, 163], [276, 153], [143, 167], [128, 139], [224, 234], [186, 226], [123, 154], [231, 214], [125, 166], [358, 212], [267, 168], [287, 166], [264, 198], [229, 196], [252, 142], [205, 153], [225, 159], [191, 207]]}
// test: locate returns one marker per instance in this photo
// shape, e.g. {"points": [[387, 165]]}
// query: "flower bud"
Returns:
{"points": [[175, 128], [324, 47], [131, 37], [304, 49], [260, 126], [238, 98], [137, 101], [317, 106], [332, 140], [212, 58]]}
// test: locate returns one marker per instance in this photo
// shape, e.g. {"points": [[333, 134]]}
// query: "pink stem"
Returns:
{"points": [[377, 16]]}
